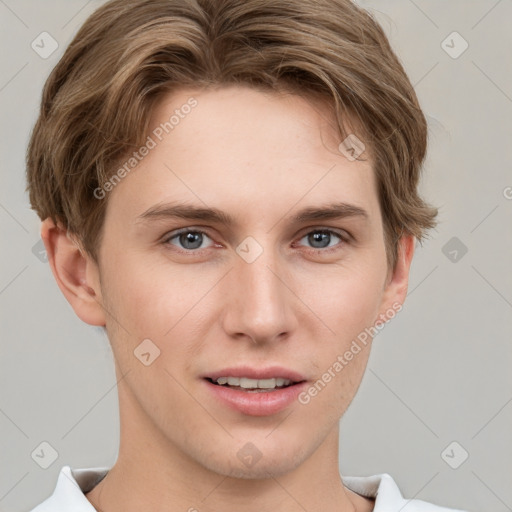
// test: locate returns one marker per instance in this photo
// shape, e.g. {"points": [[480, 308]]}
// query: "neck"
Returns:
{"points": [[153, 473]]}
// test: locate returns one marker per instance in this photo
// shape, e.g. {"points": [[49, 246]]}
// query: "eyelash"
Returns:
{"points": [[344, 237]]}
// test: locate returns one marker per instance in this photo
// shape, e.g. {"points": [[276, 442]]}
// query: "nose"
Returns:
{"points": [[259, 304]]}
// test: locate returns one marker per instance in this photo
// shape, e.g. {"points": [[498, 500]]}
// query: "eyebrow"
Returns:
{"points": [[330, 211]]}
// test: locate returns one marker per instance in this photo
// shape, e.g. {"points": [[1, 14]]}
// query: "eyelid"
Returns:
{"points": [[170, 235], [344, 235]]}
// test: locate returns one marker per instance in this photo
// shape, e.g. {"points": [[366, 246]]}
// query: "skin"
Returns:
{"points": [[260, 157]]}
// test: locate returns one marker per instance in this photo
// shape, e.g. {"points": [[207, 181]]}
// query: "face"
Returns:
{"points": [[281, 268]]}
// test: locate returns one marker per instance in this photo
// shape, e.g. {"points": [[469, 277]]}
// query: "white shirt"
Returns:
{"points": [[72, 484]]}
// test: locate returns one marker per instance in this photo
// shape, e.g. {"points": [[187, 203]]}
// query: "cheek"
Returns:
{"points": [[347, 305], [145, 296], [163, 303], [347, 300]]}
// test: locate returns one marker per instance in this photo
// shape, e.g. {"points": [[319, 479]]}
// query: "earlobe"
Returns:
{"points": [[75, 272]]}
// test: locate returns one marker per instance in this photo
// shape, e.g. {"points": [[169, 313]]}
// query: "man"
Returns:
{"points": [[229, 188]]}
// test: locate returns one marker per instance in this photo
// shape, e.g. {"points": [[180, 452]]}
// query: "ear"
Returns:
{"points": [[76, 273], [397, 280]]}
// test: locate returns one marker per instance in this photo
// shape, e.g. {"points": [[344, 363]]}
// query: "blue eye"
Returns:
{"points": [[189, 240], [322, 238]]}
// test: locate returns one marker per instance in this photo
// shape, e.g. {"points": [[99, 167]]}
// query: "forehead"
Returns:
{"points": [[239, 117], [245, 150]]}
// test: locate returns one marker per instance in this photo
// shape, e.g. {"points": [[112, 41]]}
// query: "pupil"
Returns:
{"points": [[320, 236], [191, 240]]}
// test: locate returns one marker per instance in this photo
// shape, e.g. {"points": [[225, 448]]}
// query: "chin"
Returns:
{"points": [[260, 471], [278, 463]]}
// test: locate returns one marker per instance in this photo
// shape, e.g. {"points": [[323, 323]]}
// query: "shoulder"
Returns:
{"points": [[384, 490]]}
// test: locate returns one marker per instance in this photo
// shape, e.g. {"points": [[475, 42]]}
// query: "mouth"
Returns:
{"points": [[253, 385], [255, 392]]}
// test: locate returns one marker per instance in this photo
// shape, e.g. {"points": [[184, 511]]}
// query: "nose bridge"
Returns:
{"points": [[258, 304]]}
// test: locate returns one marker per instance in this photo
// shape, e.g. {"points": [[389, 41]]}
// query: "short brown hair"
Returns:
{"points": [[97, 101]]}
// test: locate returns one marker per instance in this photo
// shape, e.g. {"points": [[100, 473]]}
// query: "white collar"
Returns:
{"points": [[72, 484]]}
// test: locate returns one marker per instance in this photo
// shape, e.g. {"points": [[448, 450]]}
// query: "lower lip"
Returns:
{"points": [[256, 403]]}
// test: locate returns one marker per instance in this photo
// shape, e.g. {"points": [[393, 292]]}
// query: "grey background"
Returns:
{"points": [[440, 372]]}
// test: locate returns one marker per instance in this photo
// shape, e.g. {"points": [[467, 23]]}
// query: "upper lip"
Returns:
{"points": [[257, 373]]}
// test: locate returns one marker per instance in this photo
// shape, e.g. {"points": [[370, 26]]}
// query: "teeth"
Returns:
{"points": [[247, 383]]}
